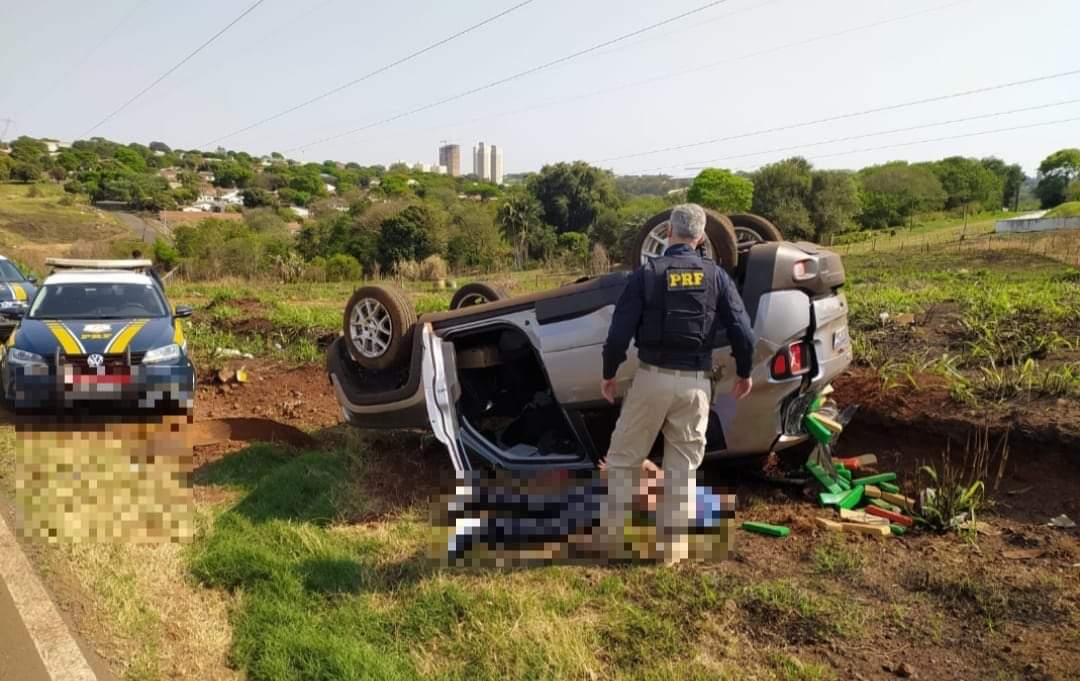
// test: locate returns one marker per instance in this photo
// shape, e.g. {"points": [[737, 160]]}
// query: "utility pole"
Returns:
{"points": [[7, 124]]}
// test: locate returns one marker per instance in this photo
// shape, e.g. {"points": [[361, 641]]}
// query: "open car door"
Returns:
{"points": [[441, 392]]}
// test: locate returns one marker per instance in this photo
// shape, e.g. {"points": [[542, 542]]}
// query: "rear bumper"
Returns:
{"points": [[146, 388]]}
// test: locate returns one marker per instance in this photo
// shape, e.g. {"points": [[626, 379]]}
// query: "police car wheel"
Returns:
{"points": [[477, 293], [378, 325], [651, 240], [753, 229]]}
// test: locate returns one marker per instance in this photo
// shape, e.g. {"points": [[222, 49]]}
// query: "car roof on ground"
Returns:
{"points": [[98, 277]]}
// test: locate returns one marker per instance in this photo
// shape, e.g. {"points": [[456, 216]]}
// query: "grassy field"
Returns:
{"points": [[33, 228], [995, 324]]}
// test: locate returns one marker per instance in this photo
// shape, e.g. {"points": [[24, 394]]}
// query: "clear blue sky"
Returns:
{"points": [[64, 65]]}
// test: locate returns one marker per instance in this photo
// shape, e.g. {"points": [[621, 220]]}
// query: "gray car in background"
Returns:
{"points": [[515, 381]]}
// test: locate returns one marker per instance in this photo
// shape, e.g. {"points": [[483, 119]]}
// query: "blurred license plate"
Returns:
{"points": [[840, 338], [104, 379]]}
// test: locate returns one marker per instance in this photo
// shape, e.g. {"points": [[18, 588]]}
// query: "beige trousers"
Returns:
{"points": [[675, 403]]}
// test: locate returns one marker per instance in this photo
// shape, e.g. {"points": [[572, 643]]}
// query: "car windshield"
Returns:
{"points": [[97, 301], [9, 272]]}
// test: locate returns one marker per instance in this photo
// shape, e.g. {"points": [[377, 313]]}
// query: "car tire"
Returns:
{"points": [[477, 293], [378, 323], [750, 228], [718, 228]]}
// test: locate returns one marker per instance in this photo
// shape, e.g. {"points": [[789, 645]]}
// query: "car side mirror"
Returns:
{"points": [[183, 311], [32, 279]]}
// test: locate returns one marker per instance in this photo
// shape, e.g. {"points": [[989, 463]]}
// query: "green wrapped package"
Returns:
{"points": [[843, 483], [889, 487], [817, 430], [878, 479], [852, 498], [766, 528], [832, 498], [885, 505], [824, 478], [897, 529]]}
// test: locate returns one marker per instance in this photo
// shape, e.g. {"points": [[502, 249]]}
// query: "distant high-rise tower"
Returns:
{"points": [[481, 161], [496, 174], [450, 156]]}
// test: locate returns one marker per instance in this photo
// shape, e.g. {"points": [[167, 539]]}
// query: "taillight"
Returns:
{"points": [[794, 360]]}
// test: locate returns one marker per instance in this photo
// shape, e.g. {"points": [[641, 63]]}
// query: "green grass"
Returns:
{"points": [[1070, 209], [49, 217], [316, 598], [994, 325]]}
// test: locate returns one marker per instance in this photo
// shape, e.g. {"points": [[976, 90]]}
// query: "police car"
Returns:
{"points": [[98, 333], [16, 292], [515, 380]]}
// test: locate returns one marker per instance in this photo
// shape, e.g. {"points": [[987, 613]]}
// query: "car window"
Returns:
{"points": [[10, 273], [97, 301]]}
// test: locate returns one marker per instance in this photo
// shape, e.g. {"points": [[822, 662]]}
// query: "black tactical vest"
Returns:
{"points": [[680, 305]]}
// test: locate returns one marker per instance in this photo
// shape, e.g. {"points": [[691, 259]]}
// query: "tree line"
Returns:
{"points": [[378, 219]]}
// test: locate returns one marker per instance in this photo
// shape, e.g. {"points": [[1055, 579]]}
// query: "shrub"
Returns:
{"points": [[33, 191], [407, 269], [342, 267], [433, 268], [165, 254]]}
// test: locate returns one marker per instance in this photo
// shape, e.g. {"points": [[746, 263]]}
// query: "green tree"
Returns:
{"points": [[1072, 192], [721, 190], [518, 216], [782, 194], [255, 198], [5, 168], [894, 192], [25, 171], [968, 184], [834, 202], [1055, 173], [232, 174], [474, 240], [1012, 179], [132, 159], [571, 195], [412, 234], [574, 247], [29, 150]]}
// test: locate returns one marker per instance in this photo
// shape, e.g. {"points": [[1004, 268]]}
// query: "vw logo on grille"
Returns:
{"points": [[95, 360]]}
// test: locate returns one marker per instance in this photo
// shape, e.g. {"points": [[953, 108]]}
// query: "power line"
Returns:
{"points": [[696, 69], [507, 79], [694, 165], [852, 114], [163, 76], [86, 56], [366, 76], [949, 137]]}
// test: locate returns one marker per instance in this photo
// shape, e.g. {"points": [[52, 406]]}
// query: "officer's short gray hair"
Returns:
{"points": [[687, 221]]}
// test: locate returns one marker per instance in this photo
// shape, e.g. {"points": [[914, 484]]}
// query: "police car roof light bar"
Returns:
{"points": [[90, 264]]}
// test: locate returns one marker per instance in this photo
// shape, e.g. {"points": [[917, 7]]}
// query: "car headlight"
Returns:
{"points": [[163, 355], [23, 357]]}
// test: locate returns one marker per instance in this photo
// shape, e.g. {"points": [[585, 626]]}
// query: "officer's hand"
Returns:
{"points": [[607, 389], [742, 388]]}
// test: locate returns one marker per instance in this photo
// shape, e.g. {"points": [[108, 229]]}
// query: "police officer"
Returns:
{"points": [[675, 307]]}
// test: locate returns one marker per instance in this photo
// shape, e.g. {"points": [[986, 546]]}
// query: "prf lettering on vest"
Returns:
{"points": [[685, 279]]}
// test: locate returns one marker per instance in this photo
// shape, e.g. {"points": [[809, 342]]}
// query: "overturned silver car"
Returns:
{"points": [[516, 380]]}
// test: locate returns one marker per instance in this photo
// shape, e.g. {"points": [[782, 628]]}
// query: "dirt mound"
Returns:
{"points": [[929, 408]]}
